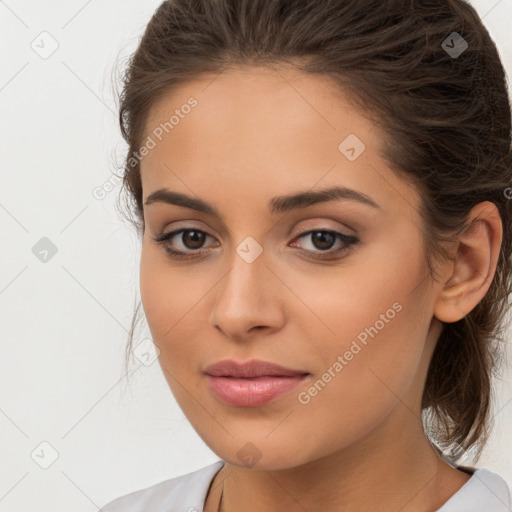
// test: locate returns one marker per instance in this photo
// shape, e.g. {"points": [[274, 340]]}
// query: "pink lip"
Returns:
{"points": [[252, 368], [252, 383], [254, 391]]}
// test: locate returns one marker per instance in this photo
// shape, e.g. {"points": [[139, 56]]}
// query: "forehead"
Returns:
{"points": [[258, 127], [282, 102]]}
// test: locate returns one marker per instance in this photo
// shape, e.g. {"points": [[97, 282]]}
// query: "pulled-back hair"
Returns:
{"points": [[446, 120]]}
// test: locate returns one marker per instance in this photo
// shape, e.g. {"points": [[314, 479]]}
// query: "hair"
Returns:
{"points": [[446, 124]]}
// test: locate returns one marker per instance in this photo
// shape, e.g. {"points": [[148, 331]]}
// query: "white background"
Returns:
{"points": [[65, 322]]}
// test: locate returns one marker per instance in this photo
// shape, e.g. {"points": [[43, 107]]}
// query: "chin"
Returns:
{"points": [[258, 453]]}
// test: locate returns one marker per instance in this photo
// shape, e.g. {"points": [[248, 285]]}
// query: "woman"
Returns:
{"points": [[323, 194]]}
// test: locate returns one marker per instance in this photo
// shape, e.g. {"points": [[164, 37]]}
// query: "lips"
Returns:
{"points": [[252, 384], [251, 369]]}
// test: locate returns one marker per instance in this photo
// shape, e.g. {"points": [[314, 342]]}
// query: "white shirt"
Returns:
{"points": [[485, 491]]}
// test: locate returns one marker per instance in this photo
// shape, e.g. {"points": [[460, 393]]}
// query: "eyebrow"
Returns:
{"points": [[279, 204]]}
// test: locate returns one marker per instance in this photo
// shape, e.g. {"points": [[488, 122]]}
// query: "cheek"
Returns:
{"points": [[164, 304], [168, 293], [369, 345], [366, 297], [167, 300], [358, 384], [371, 366], [173, 299]]}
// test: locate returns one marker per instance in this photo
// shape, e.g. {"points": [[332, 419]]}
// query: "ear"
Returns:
{"points": [[469, 275]]}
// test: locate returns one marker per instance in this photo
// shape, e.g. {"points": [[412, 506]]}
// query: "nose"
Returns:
{"points": [[248, 299]]}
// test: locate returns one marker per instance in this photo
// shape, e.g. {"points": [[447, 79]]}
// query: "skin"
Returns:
{"points": [[358, 444]]}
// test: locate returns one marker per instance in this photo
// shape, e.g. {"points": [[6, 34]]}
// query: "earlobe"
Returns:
{"points": [[469, 275]]}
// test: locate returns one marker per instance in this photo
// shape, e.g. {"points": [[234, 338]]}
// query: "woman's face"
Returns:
{"points": [[255, 285]]}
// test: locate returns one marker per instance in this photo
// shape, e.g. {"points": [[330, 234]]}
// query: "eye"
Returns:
{"points": [[191, 239], [322, 241]]}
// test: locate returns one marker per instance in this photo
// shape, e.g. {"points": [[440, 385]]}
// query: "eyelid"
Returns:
{"points": [[167, 235], [321, 225]]}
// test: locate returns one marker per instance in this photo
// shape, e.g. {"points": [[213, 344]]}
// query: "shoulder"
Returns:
{"points": [[185, 493], [485, 490]]}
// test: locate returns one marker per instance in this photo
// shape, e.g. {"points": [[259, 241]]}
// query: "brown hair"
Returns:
{"points": [[446, 120]]}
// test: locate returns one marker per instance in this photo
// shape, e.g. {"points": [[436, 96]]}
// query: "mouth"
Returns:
{"points": [[250, 369], [251, 384]]}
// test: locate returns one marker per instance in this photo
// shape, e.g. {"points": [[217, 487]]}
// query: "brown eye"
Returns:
{"points": [[323, 240], [192, 239]]}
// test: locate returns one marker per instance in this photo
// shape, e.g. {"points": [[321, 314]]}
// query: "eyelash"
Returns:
{"points": [[349, 241]]}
